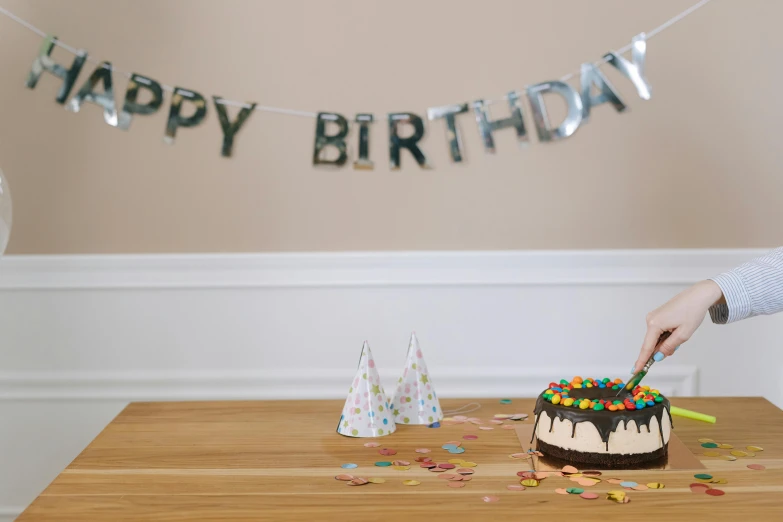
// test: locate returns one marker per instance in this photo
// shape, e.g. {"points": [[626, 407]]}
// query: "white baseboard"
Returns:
{"points": [[305, 384], [84, 335], [369, 269]]}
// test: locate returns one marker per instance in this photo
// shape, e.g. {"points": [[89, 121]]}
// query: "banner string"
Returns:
{"points": [[293, 112]]}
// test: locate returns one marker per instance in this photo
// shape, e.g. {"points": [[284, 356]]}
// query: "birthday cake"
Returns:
{"points": [[585, 421]]}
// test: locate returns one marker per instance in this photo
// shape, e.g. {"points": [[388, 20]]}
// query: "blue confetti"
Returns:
{"points": [[350, 465]]}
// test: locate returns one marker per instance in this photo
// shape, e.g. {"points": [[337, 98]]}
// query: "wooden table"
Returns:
{"points": [[276, 461]]}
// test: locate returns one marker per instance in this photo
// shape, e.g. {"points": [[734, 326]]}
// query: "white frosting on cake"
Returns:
{"points": [[623, 441]]}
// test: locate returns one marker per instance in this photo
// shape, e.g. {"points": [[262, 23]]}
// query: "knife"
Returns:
{"points": [[634, 381]]}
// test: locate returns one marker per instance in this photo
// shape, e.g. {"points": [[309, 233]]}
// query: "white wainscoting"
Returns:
{"points": [[83, 335]]}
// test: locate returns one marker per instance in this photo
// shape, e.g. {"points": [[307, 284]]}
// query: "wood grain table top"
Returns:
{"points": [[276, 460]]}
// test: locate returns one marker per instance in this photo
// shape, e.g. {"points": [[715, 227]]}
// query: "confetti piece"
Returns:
{"points": [[358, 481], [754, 448], [486, 428], [728, 457], [569, 469], [711, 454], [725, 446], [758, 467], [508, 427], [457, 451], [526, 474], [456, 461], [614, 481], [495, 421], [587, 482], [519, 456], [375, 480], [515, 487], [589, 496], [706, 440], [699, 488], [402, 468], [519, 416], [447, 476], [640, 487], [465, 471], [349, 465], [575, 491], [434, 425], [618, 496], [703, 476], [343, 477], [428, 465], [719, 481], [387, 452], [490, 498], [400, 463], [531, 483], [541, 475], [371, 444], [505, 401], [467, 464], [709, 445], [466, 478], [460, 418], [436, 469], [470, 437], [715, 492], [592, 473], [423, 459], [655, 485], [423, 450], [561, 491], [738, 453], [411, 482], [456, 484], [383, 464], [448, 465], [749, 454], [630, 484]]}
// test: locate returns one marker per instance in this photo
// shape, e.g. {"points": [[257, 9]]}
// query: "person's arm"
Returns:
{"points": [[753, 288]]}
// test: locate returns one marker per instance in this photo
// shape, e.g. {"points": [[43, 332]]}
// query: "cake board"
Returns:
{"points": [[679, 457]]}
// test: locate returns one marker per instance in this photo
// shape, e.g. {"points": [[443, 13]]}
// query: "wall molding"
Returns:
{"points": [[368, 269], [458, 382]]}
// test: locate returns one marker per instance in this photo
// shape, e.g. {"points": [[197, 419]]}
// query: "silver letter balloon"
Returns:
{"points": [[5, 213]]}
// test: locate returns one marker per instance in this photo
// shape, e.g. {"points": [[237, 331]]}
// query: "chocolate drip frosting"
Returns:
{"points": [[604, 421]]}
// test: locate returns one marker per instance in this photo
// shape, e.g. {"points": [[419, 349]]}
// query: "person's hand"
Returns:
{"points": [[681, 316]]}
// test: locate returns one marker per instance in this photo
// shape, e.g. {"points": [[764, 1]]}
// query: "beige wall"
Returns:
{"points": [[697, 166]]}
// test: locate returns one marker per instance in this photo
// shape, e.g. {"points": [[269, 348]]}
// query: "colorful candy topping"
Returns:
{"points": [[641, 397]]}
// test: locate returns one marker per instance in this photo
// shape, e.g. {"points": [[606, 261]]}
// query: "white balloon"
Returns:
{"points": [[5, 213]]}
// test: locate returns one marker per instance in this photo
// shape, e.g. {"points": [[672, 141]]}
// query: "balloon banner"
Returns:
{"points": [[331, 147]]}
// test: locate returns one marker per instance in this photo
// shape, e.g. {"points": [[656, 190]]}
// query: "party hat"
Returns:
{"points": [[415, 401], [366, 412]]}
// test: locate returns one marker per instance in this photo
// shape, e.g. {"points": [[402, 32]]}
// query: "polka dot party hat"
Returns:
{"points": [[415, 401], [366, 412]]}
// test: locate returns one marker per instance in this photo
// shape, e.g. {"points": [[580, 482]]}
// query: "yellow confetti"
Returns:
{"points": [[725, 446], [466, 464], [531, 483], [754, 448], [705, 440], [728, 457], [376, 480], [711, 454], [738, 453], [655, 485], [411, 482], [402, 468], [456, 461]]}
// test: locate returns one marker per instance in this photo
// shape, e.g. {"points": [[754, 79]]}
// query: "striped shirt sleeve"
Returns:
{"points": [[751, 289]]}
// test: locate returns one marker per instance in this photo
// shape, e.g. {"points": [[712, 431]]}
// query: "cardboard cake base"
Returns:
{"points": [[679, 456]]}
